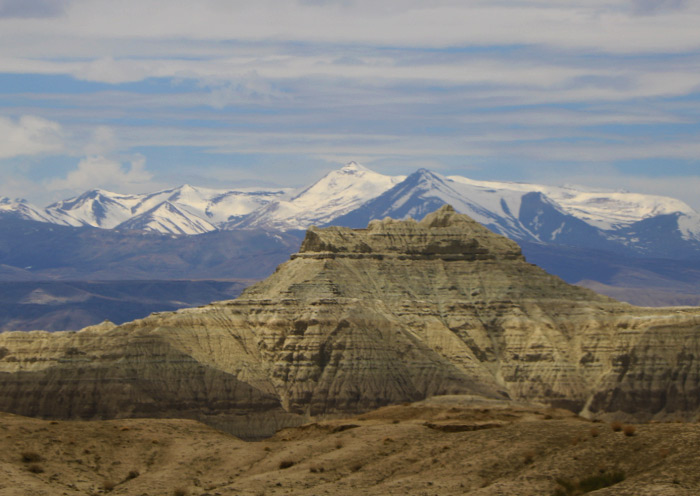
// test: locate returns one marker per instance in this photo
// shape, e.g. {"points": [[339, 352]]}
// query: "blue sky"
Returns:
{"points": [[139, 95]]}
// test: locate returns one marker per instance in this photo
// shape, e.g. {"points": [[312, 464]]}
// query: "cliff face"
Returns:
{"points": [[358, 319]]}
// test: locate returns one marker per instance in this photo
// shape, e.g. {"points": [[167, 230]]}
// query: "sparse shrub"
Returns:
{"points": [[395, 421], [356, 467], [31, 457], [629, 430], [616, 426], [286, 463], [124, 429], [132, 474], [180, 492], [338, 444], [595, 432], [108, 485], [387, 440], [664, 452], [575, 440], [36, 469], [528, 457], [267, 448]]}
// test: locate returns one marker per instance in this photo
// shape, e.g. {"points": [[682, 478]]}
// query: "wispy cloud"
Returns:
{"points": [[502, 87], [29, 135], [97, 171]]}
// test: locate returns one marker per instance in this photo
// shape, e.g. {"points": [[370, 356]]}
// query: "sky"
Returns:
{"points": [[141, 95]]}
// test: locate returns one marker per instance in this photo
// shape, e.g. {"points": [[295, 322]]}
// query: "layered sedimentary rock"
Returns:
{"points": [[358, 319]]}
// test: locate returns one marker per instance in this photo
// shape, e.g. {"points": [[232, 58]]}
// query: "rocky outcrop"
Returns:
{"points": [[358, 319]]}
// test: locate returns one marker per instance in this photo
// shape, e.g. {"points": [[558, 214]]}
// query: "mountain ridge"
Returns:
{"points": [[395, 312], [614, 224], [346, 191]]}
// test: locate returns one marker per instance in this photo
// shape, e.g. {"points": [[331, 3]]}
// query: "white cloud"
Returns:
{"points": [[548, 80], [682, 187], [29, 135], [106, 27], [18, 186], [102, 142], [101, 172]]}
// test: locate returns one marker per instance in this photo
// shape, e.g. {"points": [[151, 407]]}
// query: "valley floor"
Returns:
{"points": [[442, 446]]}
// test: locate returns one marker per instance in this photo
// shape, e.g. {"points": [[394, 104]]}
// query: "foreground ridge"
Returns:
{"points": [[420, 448], [358, 319]]}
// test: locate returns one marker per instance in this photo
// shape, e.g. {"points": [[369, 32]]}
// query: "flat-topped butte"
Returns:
{"points": [[397, 312]]}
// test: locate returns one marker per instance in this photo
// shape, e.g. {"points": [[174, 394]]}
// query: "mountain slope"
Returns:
{"points": [[182, 210], [612, 223], [423, 192], [646, 226], [334, 194], [72, 305], [21, 209], [604, 209], [601, 219], [97, 208], [52, 252], [167, 218], [357, 319]]}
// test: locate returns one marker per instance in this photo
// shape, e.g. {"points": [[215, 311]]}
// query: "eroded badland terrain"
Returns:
{"points": [[448, 445], [503, 380]]}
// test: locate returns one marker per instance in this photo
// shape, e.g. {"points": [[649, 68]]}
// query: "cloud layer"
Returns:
{"points": [[535, 90]]}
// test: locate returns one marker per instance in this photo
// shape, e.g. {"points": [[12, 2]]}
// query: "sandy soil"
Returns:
{"points": [[443, 446]]}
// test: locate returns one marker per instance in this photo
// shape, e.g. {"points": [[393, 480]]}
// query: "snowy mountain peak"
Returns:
{"points": [[336, 193], [168, 218], [354, 195], [425, 181], [352, 167], [21, 208], [429, 176]]}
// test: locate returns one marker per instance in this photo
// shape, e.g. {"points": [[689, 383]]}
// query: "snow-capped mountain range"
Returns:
{"points": [[183, 210], [352, 195]]}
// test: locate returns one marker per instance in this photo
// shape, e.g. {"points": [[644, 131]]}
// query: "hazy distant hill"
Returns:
{"points": [[59, 305], [61, 278], [53, 252]]}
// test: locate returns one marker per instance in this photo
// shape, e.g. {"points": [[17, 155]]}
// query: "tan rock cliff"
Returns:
{"points": [[358, 319]]}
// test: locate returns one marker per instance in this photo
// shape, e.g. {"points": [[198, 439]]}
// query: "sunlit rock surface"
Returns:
{"points": [[359, 319]]}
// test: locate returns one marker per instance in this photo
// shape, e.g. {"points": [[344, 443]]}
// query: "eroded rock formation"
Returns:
{"points": [[358, 319]]}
